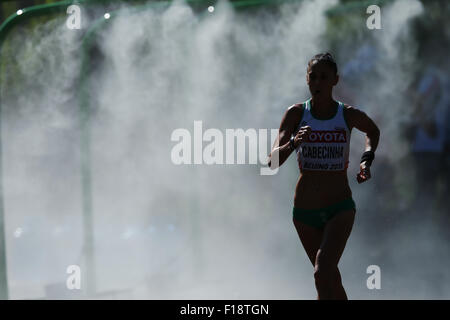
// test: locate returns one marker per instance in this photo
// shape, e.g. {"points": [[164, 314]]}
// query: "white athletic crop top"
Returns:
{"points": [[328, 146]]}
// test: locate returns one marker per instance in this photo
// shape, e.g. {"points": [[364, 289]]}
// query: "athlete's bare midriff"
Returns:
{"points": [[318, 189]]}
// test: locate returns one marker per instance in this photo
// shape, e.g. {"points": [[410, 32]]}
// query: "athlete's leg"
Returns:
{"points": [[339, 291], [326, 272], [310, 237]]}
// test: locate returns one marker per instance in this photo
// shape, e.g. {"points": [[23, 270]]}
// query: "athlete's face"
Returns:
{"points": [[321, 79]]}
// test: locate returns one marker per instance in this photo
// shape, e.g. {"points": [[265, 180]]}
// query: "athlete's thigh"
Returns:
{"points": [[310, 237], [335, 235]]}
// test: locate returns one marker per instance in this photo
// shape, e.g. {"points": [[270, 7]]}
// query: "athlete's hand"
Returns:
{"points": [[364, 172], [302, 135]]}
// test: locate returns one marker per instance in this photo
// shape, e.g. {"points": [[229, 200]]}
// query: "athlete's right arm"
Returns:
{"points": [[281, 148]]}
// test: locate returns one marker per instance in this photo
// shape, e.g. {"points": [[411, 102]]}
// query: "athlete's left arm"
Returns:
{"points": [[361, 121]]}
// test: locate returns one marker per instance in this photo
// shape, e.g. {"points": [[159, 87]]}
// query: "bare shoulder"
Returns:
{"points": [[292, 116], [350, 110], [295, 109], [357, 118]]}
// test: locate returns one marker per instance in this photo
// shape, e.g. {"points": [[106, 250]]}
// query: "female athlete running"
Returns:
{"points": [[319, 131]]}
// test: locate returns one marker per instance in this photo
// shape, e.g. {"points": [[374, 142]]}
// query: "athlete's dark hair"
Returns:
{"points": [[324, 57]]}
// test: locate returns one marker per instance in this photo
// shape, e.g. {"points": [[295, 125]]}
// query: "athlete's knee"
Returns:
{"points": [[338, 279], [325, 275]]}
